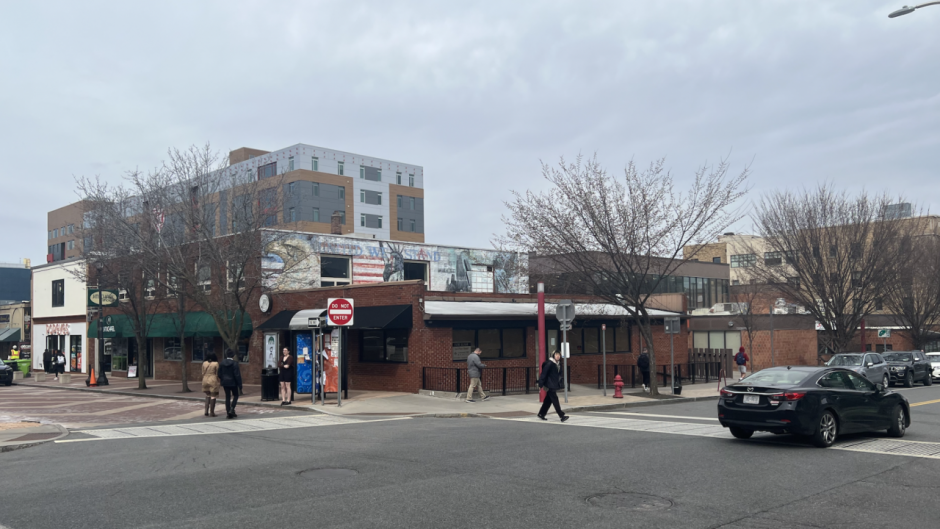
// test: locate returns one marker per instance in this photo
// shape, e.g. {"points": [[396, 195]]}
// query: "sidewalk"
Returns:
{"points": [[580, 398], [16, 435]]}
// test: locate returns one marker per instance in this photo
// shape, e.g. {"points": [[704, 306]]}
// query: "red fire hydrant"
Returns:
{"points": [[618, 387]]}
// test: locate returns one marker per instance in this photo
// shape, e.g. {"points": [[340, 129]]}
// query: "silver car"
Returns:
{"points": [[870, 365], [934, 359]]}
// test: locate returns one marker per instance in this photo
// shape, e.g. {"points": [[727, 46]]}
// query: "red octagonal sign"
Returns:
{"points": [[339, 312]]}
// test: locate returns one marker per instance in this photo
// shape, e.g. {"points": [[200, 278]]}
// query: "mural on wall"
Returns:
{"points": [[293, 263]]}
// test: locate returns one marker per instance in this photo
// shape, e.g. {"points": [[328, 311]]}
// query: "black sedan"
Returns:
{"points": [[817, 402], [6, 374]]}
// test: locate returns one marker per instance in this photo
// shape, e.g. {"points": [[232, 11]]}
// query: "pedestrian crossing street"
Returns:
{"points": [[708, 427], [217, 427]]}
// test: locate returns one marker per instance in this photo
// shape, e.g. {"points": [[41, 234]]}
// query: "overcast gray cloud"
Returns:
{"points": [[476, 92]]}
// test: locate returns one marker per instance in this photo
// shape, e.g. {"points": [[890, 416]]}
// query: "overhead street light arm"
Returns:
{"points": [[908, 9]]}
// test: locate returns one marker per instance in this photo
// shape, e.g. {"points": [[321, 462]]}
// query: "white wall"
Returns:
{"points": [[75, 293], [74, 329]]}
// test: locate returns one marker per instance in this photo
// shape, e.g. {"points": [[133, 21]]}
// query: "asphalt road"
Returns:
{"points": [[474, 473]]}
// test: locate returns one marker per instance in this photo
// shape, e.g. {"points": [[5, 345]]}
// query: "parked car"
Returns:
{"points": [[934, 359], [6, 374], [870, 365], [819, 402], [908, 367]]}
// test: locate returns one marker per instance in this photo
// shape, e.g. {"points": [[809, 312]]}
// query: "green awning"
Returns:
{"points": [[10, 335], [198, 324]]}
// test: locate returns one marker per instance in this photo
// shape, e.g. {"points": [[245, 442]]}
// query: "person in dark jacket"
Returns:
{"points": [[231, 378], [285, 376], [47, 361], [59, 361], [643, 362], [550, 381], [475, 373]]}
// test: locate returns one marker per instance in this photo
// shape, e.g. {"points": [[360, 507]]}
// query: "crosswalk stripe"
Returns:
{"points": [[203, 428]]}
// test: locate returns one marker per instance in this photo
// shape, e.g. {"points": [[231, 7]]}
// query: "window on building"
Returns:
{"points": [[743, 260], [316, 189], [481, 278], [315, 163], [416, 270], [290, 163], [71, 229], [398, 178], [494, 343], [204, 277], [399, 201], [234, 273], [400, 223], [362, 219], [384, 346], [202, 347], [411, 180], [172, 350], [241, 354], [773, 258], [342, 192], [362, 196], [70, 245], [856, 279], [267, 170], [339, 168], [622, 343], [150, 287], [316, 214], [55, 233], [370, 173], [291, 215], [291, 187], [716, 259], [378, 199], [411, 203], [794, 281], [334, 271], [411, 226], [172, 286], [379, 221], [50, 236], [58, 293]]}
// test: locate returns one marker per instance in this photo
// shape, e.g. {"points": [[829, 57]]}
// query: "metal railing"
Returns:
{"points": [[496, 380], [630, 375]]}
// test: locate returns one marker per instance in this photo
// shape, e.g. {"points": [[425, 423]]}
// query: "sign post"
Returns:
{"points": [[672, 327], [604, 353], [564, 311], [339, 313], [884, 334]]}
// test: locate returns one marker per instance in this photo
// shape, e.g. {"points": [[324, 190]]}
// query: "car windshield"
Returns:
{"points": [[776, 377], [846, 360], [897, 357], [933, 357]]}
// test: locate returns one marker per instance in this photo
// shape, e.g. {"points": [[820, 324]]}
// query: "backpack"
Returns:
{"points": [[740, 359]]}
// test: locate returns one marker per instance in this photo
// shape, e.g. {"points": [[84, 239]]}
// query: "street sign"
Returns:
{"points": [[339, 312], [313, 323], [564, 311], [565, 350], [102, 298], [672, 325], [564, 327], [884, 333]]}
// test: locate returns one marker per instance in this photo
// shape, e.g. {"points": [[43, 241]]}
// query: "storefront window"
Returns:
{"points": [[488, 341], [513, 343], [622, 337], [75, 354], [592, 341], [118, 347], [609, 339], [201, 348], [384, 346], [494, 343], [172, 350]]}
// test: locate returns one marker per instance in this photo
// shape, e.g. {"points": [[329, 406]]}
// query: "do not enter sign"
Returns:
{"points": [[339, 312]]}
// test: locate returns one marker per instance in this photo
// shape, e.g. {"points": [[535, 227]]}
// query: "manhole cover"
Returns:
{"points": [[630, 501], [328, 473]]}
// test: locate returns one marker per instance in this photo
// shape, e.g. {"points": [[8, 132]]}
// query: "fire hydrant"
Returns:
{"points": [[618, 387]]}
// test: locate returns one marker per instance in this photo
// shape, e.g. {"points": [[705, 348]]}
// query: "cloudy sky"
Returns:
{"points": [[479, 93]]}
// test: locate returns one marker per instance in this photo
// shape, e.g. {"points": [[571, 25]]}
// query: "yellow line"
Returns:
{"points": [[926, 402]]}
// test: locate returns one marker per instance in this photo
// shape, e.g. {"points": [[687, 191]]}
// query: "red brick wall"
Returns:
{"points": [[791, 347]]}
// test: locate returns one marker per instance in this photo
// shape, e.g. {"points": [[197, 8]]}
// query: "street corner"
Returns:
{"points": [[15, 435]]}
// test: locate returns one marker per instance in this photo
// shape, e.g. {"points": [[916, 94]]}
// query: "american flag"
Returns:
{"points": [[368, 269]]}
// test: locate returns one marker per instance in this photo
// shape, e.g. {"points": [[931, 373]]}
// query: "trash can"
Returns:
{"points": [[23, 365], [269, 385]]}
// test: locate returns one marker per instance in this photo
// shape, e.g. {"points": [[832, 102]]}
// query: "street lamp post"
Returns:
{"points": [[909, 9], [99, 343]]}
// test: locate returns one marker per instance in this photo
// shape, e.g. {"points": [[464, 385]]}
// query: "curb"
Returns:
{"points": [[605, 407], [63, 431], [169, 397]]}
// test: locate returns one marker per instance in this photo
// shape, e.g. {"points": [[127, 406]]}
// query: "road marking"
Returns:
{"points": [[926, 402], [208, 428], [666, 416], [883, 446]]}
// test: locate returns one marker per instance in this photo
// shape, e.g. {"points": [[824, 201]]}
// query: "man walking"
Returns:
{"points": [[549, 381], [741, 359], [230, 377], [475, 372], [643, 362]]}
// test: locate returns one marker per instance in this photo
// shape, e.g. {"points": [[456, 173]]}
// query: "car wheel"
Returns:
{"points": [[886, 381], [928, 380], [8, 383], [827, 429], [898, 422], [741, 433], [909, 380]]}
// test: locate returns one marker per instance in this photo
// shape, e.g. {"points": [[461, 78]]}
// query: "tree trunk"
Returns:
{"points": [[141, 362], [181, 306]]}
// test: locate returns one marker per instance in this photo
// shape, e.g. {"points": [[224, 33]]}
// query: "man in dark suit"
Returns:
{"points": [[550, 381]]}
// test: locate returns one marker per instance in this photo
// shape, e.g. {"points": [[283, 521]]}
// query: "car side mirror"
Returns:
{"points": [[869, 364]]}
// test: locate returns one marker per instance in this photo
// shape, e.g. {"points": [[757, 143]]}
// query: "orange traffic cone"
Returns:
{"points": [[94, 382]]}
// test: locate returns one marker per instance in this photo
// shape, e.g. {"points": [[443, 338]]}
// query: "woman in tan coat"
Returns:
{"points": [[210, 382]]}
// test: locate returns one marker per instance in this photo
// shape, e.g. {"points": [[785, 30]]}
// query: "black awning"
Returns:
{"points": [[382, 317], [281, 320]]}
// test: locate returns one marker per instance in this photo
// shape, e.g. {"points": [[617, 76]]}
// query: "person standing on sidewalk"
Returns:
{"points": [[643, 363], [210, 382], [59, 364], [285, 375], [741, 359], [230, 376], [47, 361], [475, 372], [550, 381]]}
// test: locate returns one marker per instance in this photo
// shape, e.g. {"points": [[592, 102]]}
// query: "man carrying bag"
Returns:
{"points": [[549, 381]]}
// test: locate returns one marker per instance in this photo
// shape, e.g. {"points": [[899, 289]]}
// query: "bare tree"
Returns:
{"points": [[116, 235], [913, 297], [620, 237], [833, 253]]}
